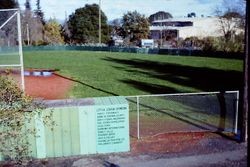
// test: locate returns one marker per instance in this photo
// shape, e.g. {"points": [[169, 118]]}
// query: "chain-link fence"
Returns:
{"points": [[11, 58], [177, 52], [187, 112]]}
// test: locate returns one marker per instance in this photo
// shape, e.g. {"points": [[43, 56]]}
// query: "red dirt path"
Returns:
{"points": [[50, 87], [169, 142]]}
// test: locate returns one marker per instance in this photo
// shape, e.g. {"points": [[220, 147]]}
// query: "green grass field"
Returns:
{"points": [[9, 58], [110, 73]]}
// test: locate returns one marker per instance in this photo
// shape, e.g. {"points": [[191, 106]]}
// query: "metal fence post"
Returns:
{"points": [[236, 113], [138, 117], [20, 48]]}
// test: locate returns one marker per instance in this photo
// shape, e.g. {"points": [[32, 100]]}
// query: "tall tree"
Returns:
{"points": [[32, 27], [52, 32], [39, 13], [65, 31], [37, 33], [8, 4], [136, 26], [231, 22], [231, 16], [27, 5], [83, 25], [116, 26], [26, 22]]}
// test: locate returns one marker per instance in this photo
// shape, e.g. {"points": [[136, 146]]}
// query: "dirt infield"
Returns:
{"points": [[42, 83], [47, 87]]}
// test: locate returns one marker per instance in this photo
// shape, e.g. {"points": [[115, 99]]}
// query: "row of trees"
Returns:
{"points": [[35, 30], [231, 19], [82, 27]]}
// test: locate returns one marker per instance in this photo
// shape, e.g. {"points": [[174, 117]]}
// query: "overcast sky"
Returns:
{"points": [[116, 8]]}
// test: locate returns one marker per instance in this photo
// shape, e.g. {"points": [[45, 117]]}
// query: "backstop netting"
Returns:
{"points": [[11, 58], [196, 112]]}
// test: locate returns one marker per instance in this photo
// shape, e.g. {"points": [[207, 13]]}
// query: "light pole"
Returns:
{"points": [[100, 23], [28, 34]]}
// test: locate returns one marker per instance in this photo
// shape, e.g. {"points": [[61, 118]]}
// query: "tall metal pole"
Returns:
{"points": [[100, 23], [244, 129], [20, 49], [138, 117]]}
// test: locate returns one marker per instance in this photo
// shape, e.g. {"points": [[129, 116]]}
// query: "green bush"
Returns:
{"points": [[220, 44], [208, 44], [16, 110]]}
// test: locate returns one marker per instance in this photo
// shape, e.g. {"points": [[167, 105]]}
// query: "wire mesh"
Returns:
{"points": [[9, 46], [183, 113], [11, 60]]}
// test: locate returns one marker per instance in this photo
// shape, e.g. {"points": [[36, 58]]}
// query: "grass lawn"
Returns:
{"points": [[110, 73], [9, 58]]}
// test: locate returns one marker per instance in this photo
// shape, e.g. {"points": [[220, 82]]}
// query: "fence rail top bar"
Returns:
{"points": [[11, 65], [5, 10], [183, 94]]}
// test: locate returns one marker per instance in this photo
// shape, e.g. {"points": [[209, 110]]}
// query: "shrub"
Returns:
{"points": [[219, 43], [16, 110]]}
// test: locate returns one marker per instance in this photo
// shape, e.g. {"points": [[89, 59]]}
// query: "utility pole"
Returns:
{"points": [[100, 23], [28, 34]]}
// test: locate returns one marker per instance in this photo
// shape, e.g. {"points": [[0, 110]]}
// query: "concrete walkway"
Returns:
{"points": [[191, 161], [227, 158]]}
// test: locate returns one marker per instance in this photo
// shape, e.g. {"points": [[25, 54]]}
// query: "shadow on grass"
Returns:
{"points": [[151, 88], [140, 84], [201, 78], [87, 85]]}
